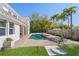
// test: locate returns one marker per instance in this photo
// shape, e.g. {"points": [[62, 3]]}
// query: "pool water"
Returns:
{"points": [[38, 37]]}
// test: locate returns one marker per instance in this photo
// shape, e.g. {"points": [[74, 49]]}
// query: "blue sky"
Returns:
{"points": [[26, 9]]}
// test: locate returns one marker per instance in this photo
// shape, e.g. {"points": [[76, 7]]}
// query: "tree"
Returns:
{"points": [[54, 18], [34, 16], [61, 18], [66, 12], [40, 23], [67, 15], [69, 12]]}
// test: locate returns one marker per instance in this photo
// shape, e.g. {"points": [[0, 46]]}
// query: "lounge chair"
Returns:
{"points": [[55, 51], [58, 51]]}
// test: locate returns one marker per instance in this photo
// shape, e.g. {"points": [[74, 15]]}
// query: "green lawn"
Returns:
{"points": [[25, 51], [72, 50]]}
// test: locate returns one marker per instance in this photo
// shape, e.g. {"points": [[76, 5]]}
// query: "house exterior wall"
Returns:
{"points": [[27, 29], [15, 36], [8, 14]]}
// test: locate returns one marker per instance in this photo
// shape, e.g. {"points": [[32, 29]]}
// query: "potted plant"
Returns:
{"points": [[7, 43]]}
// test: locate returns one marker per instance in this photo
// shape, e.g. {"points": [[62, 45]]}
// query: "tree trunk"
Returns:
{"points": [[68, 22], [71, 24], [68, 27], [62, 32]]}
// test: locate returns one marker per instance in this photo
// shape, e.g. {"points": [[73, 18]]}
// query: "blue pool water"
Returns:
{"points": [[38, 37]]}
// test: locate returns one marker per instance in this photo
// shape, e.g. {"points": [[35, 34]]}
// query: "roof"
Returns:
{"points": [[11, 15]]}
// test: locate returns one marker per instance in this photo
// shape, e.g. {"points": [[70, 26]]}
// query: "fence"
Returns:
{"points": [[66, 33]]}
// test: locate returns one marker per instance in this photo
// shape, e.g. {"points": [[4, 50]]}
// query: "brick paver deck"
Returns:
{"points": [[25, 42], [30, 42]]}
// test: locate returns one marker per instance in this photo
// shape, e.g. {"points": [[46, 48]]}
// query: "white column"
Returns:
{"points": [[7, 28], [28, 27], [23, 31], [7, 32]]}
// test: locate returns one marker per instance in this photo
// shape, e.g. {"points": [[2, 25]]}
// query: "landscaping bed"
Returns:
{"points": [[25, 51]]}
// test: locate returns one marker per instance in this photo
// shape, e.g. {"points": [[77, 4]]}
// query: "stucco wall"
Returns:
{"points": [[15, 36]]}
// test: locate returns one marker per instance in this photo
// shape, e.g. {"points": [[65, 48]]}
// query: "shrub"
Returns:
{"points": [[8, 39], [40, 25]]}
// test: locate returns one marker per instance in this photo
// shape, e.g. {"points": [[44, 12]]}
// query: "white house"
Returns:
{"points": [[12, 24]]}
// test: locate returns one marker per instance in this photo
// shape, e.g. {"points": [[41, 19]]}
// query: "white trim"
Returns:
{"points": [[4, 8], [10, 28], [7, 28], [2, 27]]}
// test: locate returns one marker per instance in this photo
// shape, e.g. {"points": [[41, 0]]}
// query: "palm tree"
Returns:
{"points": [[54, 18], [61, 17], [66, 12], [69, 12]]}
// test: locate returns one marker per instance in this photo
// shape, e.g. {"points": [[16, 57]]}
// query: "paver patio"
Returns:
{"points": [[25, 42], [30, 42]]}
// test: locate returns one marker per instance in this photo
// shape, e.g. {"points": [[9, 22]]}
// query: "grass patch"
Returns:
{"points": [[25, 51], [72, 50]]}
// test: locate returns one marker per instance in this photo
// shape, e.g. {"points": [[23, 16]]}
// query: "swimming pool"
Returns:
{"points": [[38, 37]]}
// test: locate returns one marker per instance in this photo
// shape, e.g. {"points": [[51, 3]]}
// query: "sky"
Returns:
{"points": [[49, 9]]}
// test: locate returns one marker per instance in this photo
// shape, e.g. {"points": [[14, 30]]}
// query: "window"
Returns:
{"points": [[2, 31], [11, 28], [0, 11], [2, 27]]}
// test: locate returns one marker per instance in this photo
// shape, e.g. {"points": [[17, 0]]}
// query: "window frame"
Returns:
{"points": [[11, 28], [3, 27]]}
